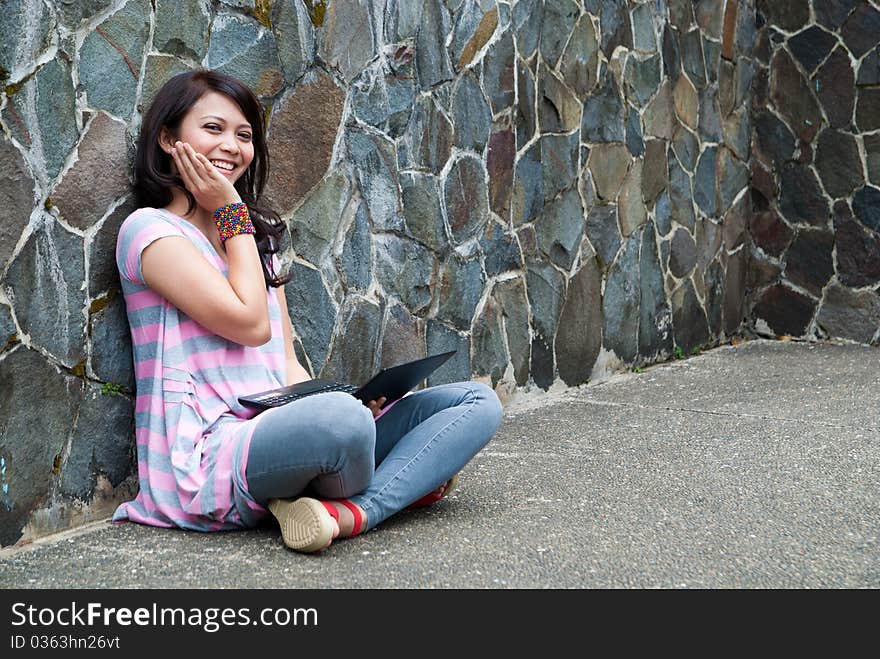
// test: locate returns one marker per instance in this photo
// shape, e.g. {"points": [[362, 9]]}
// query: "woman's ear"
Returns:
{"points": [[166, 140]]}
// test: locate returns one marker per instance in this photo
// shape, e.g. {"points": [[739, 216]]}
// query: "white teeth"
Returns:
{"points": [[223, 165]]}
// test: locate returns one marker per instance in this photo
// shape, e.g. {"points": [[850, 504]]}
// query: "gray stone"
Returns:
{"points": [[713, 280], [294, 38], [632, 213], [868, 109], [490, 354], [352, 356], [467, 198], [791, 15], [31, 21], [710, 120], [41, 115], [857, 249], [692, 60], [686, 147], [811, 46], [511, 295], [872, 153], [603, 113], [869, 69], [770, 232], [498, 73], [733, 177], [689, 323], [422, 210], [472, 29], [499, 163], [501, 251], [441, 338], [377, 177], [773, 139], [44, 283], [620, 305], [708, 239], [546, 291], [355, 266], [182, 28], [705, 180], [671, 53], [158, 70], [432, 59], [427, 142], [850, 314], [110, 59], [634, 141], [683, 254], [460, 288], [663, 214], [800, 198], [808, 260], [545, 169], [833, 14], [603, 232], [737, 134], [609, 164], [709, 16], [346, 41], [314, 225], [727, 75], [644, 38], [241, 47], [403, 337], [402, 19], [109, 453], [111, 357], [303, 129], [733, 303], [526, 118], [406, 269], [687, 102], [559, 110], [681, 13], [654, 173], [642, 78], [312, 312], [580, 62], [860, 30], [681, 196], [16, 198], [31, 442], [471, 115], [835, 87], [735, 222], [839, 163], [792, 97], [659, 116], [528, 17], [866, 206], [785, 311], [102, 157], [103, 273], [616, 27], [560, 228], [579, 336], [558, 18], [655, 317], [712, 56]]}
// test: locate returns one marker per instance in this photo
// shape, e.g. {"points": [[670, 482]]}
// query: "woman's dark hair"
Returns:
{"points": [[153, 176]]}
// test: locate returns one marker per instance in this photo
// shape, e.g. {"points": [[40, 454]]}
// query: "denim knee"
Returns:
{"points": [[350, 430], [489, 404]]}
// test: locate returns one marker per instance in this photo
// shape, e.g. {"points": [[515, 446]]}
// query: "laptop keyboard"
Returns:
{"points": [[281, 399]]}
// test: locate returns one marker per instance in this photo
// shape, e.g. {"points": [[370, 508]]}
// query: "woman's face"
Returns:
{"points": [[216, 128]]}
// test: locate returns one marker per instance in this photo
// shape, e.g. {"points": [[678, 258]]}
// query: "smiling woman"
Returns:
{"points": [[209, 325]]}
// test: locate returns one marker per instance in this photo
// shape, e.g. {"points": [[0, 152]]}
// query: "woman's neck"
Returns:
{"points": [[198, 217]]}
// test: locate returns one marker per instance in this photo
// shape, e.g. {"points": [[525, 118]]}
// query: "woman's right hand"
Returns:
{"points": [[210, 188]]}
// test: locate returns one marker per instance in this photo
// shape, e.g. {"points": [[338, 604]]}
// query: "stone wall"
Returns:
{"points": [[556, 188], [816, 170]]}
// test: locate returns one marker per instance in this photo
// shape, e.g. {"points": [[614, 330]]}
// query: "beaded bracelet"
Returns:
{"points": [[233, 219]]}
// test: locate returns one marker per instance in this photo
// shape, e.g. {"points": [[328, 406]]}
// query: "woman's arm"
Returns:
{"points": [[295, 371]]}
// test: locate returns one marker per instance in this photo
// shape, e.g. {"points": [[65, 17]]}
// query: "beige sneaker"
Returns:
{"points": [[306, 526]]}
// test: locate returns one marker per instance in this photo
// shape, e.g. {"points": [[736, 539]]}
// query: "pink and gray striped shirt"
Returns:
{"points": [[192, 434]]}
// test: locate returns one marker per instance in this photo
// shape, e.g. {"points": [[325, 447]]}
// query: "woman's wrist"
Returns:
{"points": [[232, 220]]}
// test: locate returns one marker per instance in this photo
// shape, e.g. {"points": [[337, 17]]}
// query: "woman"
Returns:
{"points": [[209, 323]]}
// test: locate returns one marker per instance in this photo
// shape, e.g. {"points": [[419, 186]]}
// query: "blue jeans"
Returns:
{"points": [[329, 445]]}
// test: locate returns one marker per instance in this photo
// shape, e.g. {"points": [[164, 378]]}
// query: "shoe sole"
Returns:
{"points": [[306, 526]]}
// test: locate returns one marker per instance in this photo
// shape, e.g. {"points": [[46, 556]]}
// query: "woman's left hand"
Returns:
{"points": [[376, 406]]}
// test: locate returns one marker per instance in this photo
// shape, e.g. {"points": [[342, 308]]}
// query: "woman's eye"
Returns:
{"points": [[212, 127], [245, 136]]}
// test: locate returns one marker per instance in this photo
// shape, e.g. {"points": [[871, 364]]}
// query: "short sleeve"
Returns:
{"points": [[140, 229]]}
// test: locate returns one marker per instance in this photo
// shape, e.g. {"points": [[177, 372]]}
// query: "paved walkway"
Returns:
{"points": [[749, 466]]}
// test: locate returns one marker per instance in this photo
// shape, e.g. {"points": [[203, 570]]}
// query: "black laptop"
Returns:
{"points": [[392, 383]]}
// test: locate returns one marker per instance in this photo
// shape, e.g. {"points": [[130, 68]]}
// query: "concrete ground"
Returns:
{"points": [[748, 466]]}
